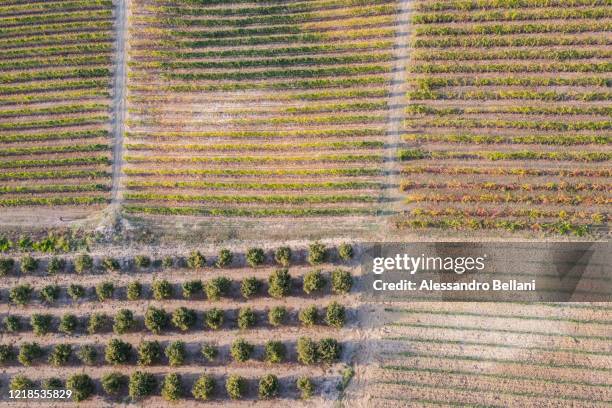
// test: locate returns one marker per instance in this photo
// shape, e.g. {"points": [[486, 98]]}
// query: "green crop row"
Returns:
{"points": [[417, 154], [273, 52], [504, 29], [56, 39], [82, 134], [88, 107], [278, 62], [61, 85], [343, 158], [506, 171], [61, 28], [569, 54], [511, 124], [256, 146], [55, 74], [461, 223], [18, 202], [307, 120], [53, 188], [554, 140], [339, 107], [56, 62], [264, 134], [79, 49], [516, 67], [238, 212], [432, 83], [491, 41], [52, 149], [345, 172], [329, 185], [59, 174], [240, 199], [524, 110], [55, 97], [38, 7], [285, 73], [514, 15], [511, 94], [104, 14], [532, 213], [560, 198], [70, 161], [53, 123], [489, 185], [504, 4], [348, 94]]}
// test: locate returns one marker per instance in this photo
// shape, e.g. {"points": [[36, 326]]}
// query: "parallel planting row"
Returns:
{"points": [[508, 122], [55, 76], [258, 109]]}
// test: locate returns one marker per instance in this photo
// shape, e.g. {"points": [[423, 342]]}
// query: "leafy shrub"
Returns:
{"points": [[88, 354], [309, 316], [275, 352], [117, 352], [283, 256], [28, 353], [167, 262], [183, 318], [250, 287], [76, 292], [192, 288], [255, 257], [204, 388], [83, 263], [268, 386], [68, 324], [209, 352], [124, 321], [225, 258], [214, 318], [134, 290], [81, 385], [172, 387], [345, 252], [98, 323], [111, 264], [50, 293], [306, 351], [21, 294], [277, 315], [176, 353], [5, 244], [306, 387], [142, 261], [196, 260], [241, 350], [52, 383], [217, 287], [41, 323], [60, 355], [156, 320], [141, 385], [6, 266], [105, 290], [246, 318], [235, 386], [12, 324], [328, 350], [28, 264], [25, 243], [279, 283], [21, 383], [149, 353], [335, 315], [342, 281], [317, 253], [162, 289], [314, 281], [113, 383], [7, 353], [56, 265]]}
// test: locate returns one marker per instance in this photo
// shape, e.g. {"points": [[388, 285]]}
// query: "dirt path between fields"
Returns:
{"points": [[391, 194], [119, 100]]}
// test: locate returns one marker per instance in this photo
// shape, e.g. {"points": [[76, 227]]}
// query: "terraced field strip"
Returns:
{"points": [[263, 110], [56, 68], [508, 120], [465, 354]]}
